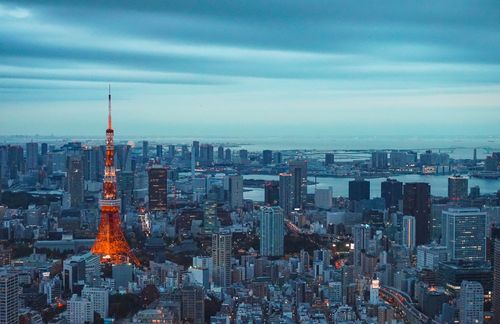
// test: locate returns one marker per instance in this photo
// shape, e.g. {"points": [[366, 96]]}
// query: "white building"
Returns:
{"points": [[471, 302], [323, 198], [80, 310], [429, 256], [408, 232], [99, 298]]}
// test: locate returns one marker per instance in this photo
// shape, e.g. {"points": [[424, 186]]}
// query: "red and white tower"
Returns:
{"points": [[110, 242]]}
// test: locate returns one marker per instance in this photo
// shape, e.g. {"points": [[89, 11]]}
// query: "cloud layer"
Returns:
{"points": [[206, 64]]}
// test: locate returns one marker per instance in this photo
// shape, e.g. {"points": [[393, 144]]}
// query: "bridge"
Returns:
{"points": [[402, 301]]}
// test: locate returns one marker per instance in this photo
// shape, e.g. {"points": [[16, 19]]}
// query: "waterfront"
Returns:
{"points": [[438, 183]]}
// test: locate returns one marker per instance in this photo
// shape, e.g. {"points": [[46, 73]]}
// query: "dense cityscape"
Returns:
{"points": [[162, 233]]}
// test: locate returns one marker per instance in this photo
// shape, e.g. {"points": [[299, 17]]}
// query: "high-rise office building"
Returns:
{"points": [[145, 151], [221, 258], [196, 150], [227, 155], [243, 156], [379, 160], [458, 187], [465, 234], [193, 304], [272, 233], [31, 156], [408, 232], [278, 157], [75, 180], [361, 235], [9, 298], [157, 191], [271, 193], [267, 157], [329, 159], [159, 152], [233, 191], [171, 151], [206, 155], [417, 203], [471, 302], [392, 192], [286, 192], [298, 170], [44, 149], [359, 189], [496, 282], [220, 154]]}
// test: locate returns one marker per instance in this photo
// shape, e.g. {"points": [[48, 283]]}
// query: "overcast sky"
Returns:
{"points": [[250, 68]]}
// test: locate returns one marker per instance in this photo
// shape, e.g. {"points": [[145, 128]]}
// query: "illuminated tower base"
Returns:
{"points": [[110, 242]]}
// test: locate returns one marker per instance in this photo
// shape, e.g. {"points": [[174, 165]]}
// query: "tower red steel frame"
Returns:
{"points": [[110, 243]]}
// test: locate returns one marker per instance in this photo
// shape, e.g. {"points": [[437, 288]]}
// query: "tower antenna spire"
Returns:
{"points": [[109, 107]]}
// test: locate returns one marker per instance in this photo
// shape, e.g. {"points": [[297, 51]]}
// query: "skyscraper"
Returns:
{"points": [[458, 187], [286, 193], [159, 152], [361, 235], [408, 232], [75, 180], [206, 155], [145, 151], [31, 156], [267, 157], [417, 203], [9, 298], [157, 188], [233, 190], [221, 258], [496, 282], [392, 192], [298, 170], [359, 189], [379, 160], [220, 154], [471, 302], [465, 234], [271, 193], [272, 234], [196, 150], [193, 304], [329, 159]]}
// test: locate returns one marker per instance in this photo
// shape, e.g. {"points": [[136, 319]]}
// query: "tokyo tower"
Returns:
{"points": [[110, 242]]}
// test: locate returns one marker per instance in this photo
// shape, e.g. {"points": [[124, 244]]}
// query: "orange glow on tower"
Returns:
{"points": [[110, 242]]}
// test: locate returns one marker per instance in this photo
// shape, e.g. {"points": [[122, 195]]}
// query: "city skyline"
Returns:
{"points": [[205, 69]]}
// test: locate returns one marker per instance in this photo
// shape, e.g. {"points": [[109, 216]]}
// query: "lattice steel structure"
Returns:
{"points": [[110, 243]]}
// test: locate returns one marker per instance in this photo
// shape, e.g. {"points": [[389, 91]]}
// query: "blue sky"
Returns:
{"points": [[252, 68]]}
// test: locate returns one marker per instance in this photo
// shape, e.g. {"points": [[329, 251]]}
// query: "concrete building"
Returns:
{"points": [[9, 298], [272, 233], [471, 302], [221, 258]]}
